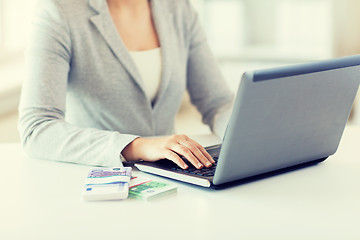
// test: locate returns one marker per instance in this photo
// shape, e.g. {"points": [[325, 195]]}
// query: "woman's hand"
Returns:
{"points": [[169, 147]]}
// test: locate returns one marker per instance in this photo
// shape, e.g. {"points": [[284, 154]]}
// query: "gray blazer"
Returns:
{"points": [[83, 99]]}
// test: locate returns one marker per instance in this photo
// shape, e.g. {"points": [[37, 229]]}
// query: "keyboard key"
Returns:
{"points": [[204, 172], [208, 175]]}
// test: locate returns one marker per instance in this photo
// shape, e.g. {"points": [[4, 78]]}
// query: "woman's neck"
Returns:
{"points": [[133, 20], [132, 5]]}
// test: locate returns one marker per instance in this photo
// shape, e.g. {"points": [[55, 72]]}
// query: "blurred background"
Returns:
{"points": [[243, 34]]}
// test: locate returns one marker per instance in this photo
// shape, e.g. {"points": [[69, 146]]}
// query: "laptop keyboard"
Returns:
{"points": [[204, 172], [214, 151]]}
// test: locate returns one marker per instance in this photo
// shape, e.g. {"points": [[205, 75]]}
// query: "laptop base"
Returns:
{"points": [[154, 168]]}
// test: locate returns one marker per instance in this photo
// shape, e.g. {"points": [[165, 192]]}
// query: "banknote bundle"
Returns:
{"points": [[146, 189], [107, 184]]}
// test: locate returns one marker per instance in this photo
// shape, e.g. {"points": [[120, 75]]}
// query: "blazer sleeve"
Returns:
{"points": [[44, 132], [205, 83]]}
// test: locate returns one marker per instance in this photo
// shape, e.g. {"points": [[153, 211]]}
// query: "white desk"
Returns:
{"points": [[42, 200]]}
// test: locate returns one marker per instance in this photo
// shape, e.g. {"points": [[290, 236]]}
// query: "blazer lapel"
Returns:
{"points": [[163, 24], [105, 24]]}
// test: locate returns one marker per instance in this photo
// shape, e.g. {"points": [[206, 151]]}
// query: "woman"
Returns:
{"points": [[118, 69]]}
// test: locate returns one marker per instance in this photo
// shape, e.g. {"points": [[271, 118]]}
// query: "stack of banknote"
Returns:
{"points": [[146, 189]]}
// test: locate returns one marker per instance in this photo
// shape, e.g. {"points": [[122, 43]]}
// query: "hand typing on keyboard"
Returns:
{"points": [[169, 147]]}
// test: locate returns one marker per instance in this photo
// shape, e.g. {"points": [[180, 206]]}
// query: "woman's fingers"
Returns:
{"points": [[176, 159], [184, 151], [201, 149], [192, 151], [197, 153]]}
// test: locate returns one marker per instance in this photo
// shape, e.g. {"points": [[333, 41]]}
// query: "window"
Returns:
{"points": [[2, 13], [15, 19], [271, 30]]}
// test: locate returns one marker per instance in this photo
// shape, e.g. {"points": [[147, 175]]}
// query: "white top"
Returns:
{"points": [[149, 64]]}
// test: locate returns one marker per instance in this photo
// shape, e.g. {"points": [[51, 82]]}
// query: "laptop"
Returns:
{"points": [[283, 118]]}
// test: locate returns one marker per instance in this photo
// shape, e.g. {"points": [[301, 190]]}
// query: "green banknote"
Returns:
{"points": [[152, 189]]}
